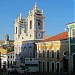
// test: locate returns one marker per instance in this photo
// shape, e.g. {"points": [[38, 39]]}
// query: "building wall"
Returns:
{"points": [[10, 58], [62, 46], [25, 50], [24, 42], [71, 26], [3, 57]]}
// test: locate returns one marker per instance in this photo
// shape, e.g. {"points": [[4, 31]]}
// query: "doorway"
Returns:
{"points": [[47, 66], [57, 65], [65, 64], [73, 62], [53, 66]]}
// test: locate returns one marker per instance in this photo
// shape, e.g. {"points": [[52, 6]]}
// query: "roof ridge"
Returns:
{"points": [[60, 36]]}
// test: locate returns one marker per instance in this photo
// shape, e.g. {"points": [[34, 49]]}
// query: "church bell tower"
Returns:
{"points": [[35, 21]]}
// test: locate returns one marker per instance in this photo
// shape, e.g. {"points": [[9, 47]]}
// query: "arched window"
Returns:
{"points": [[52, 53], [43, 53], [30, 24], [16, 30], [39, 24], [47, 53], [39, 53], [57, 54]]}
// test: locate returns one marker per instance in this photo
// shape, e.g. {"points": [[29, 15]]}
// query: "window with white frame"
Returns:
{"points": [[57, 54], [47, 53], [52, 53], [73, 33]]}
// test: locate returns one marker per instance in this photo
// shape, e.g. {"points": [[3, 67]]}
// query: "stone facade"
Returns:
{"points": [[27, 33]]}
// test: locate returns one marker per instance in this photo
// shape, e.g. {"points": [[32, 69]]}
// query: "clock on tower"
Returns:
{"points": [[39, 34]]}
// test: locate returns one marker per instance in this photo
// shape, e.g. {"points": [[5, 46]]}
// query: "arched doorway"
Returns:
{"points": [[65, 64]]}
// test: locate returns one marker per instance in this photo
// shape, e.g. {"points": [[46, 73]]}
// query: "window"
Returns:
{"points": [[52, 54], [73, 33], [8, 56], [22, 37], [24, 31], [39, 54], [11, 62], [11, 56], [57, 66], [16, 30], [20, 29], [43, 53], [25, 47], [65, 53], [52, 66], [8, 64], [39, 24], [16, 38], [57, 54], [30, 24], [47, 53], [30, 35], [47, 66]]}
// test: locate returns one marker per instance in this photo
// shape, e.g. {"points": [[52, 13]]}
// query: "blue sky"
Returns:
{"points": [[58, 13]]}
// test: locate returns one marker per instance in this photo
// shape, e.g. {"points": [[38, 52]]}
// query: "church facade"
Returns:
{"points": [[27, 33]]}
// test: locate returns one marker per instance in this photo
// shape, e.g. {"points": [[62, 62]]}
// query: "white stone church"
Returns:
{"points": [[27, 33]]}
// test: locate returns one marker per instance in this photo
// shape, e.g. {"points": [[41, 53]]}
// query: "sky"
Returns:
{"points": [[58, 13]]}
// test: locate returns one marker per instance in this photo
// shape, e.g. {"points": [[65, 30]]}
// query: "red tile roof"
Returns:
{"points": [[61, 36]]}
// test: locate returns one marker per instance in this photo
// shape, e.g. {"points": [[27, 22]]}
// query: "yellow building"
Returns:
{"points": [[3, 51], [3, 57], [53, 53]]}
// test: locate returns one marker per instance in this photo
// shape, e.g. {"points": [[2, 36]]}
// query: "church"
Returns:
{"points": [[27, 33], [37, 53]]}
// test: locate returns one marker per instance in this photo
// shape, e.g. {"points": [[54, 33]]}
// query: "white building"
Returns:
{"points": [[3, 61], [27, 33], [10, 59]]}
